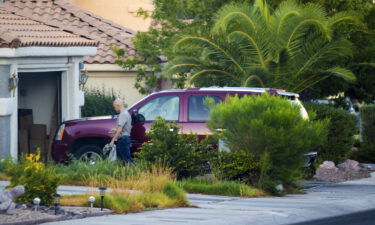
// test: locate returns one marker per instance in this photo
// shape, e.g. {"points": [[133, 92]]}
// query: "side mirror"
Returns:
{"points": [[137, 118]]}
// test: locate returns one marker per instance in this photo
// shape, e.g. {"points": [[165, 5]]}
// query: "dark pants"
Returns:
{"points": [[123, 149]]}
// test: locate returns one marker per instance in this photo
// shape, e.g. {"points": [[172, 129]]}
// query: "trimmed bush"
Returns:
{"points": [[368, 124], [367, 150], [98, 103], [236, 165], [185, 155], [273, 131], [341, 131]]}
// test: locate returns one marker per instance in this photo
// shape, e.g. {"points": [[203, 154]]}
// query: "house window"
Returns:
{"points": [[198, 109], [166, 107]]}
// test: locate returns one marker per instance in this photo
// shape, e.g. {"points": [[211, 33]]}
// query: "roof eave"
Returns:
{"points": [[43, 51]]}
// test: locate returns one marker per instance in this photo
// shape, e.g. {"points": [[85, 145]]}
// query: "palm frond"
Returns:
{"points": [[212, 71], [231, 16], [181, 65], [253, 47], [206, 43], [342, 73], [344, 17], [322, 75], [317, 51], [253, 77]]}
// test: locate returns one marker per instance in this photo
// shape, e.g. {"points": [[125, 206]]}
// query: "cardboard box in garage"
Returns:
{"points": [[25, 122], [35, 144], [25, 119], [38, 131], [23, 142]]}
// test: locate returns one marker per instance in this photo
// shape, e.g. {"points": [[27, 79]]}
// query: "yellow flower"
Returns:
{"points": [[29, 157]]}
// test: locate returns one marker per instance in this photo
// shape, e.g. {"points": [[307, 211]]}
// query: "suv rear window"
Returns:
{"points": [[166, 107], [198, 110]]}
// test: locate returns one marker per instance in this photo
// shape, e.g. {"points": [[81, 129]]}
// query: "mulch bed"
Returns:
{"points": [[26, 214]]}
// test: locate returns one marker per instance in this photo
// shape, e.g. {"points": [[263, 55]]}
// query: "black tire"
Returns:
{"points": [[89, 153]]}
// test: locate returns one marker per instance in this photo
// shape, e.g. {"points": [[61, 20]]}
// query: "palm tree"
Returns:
{"points": [[293, 47]]}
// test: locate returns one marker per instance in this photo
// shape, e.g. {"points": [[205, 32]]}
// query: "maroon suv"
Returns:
{"points": [[85, 138]]}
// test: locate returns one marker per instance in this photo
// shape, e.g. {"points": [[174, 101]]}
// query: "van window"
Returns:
{"points": [[198, 110], [166, 107]]}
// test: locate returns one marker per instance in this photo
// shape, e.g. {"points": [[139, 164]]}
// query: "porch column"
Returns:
{"points": [[74, 97], [6, 111]]}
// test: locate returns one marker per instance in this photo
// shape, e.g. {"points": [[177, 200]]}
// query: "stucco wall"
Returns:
{"points": [[121, 82], [122, 12]]}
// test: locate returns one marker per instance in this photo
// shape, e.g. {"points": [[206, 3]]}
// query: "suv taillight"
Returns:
{"points": [[60, 133]]}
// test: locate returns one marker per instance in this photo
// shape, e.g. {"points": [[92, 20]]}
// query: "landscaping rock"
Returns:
{"points": [[349, 170], [7, 197], [349, 165]]}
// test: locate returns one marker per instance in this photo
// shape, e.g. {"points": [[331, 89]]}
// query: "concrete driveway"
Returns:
{"points": [[321, 201]]}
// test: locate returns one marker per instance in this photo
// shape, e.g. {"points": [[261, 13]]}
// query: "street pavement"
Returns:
{"points": [[361, 218], [322, 200]]}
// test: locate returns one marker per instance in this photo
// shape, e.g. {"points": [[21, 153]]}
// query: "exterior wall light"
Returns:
{"points": [[56, 201], [13, 83], [83, 77], [102, 194]]}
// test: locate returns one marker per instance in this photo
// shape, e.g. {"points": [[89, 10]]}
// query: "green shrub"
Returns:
{"points": [[368, 124], [39, 181], [366, 154], [367, 147], [236, 165], [185, 155], [272, 130], [341, 131], [98, 103], [5, 163]]}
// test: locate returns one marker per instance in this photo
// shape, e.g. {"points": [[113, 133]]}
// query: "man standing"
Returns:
{"points": [[122, 132]]}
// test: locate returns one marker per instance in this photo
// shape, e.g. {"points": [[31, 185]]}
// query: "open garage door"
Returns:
{"points": [[39, 111]]}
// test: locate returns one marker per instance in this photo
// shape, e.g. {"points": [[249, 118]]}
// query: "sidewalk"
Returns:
{"points": [[323, 200]]}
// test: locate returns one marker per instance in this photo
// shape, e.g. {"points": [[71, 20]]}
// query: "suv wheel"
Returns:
{"points": [[89, 153]]}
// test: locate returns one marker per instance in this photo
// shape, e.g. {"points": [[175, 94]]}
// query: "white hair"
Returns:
{"points": [[119, 101]]}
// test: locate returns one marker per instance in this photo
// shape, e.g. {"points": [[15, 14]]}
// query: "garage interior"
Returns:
{"points": [[39, 111]]}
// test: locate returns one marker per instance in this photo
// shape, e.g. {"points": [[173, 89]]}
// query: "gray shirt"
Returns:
{"points": [[125, 121]]}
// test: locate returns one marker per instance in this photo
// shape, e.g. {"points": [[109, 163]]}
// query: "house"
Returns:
{"points": [[40, 67], [123, 12], [101, 68]]}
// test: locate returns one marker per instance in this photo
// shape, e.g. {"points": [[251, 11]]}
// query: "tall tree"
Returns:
{"points": [[292, 48], [171, 18], [175, 17]]}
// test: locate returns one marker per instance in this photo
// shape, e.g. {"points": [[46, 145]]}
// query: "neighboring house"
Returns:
{"points": [[46, 59], [123, 12], [101, 68]]}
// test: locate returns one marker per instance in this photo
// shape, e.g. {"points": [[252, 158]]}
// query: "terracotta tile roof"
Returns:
{"points": [[18, 31], [69, 17]]}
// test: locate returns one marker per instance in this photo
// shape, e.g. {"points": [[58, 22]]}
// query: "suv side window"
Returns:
{"points": [[166, 107], [198, 110]]}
